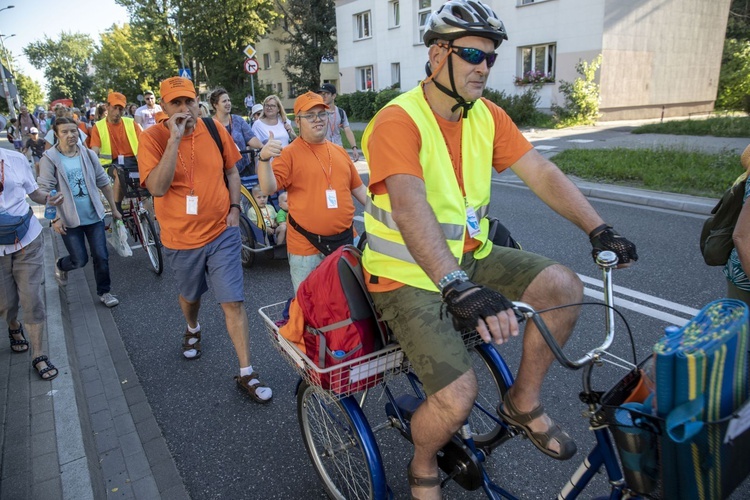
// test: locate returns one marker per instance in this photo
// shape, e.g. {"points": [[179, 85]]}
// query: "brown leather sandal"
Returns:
{"points": [[421, 482], [513, 416], [186, 345], [252, 390]]}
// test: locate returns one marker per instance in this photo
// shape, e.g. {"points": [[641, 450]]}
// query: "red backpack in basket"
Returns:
{"points": [[340, 320]]}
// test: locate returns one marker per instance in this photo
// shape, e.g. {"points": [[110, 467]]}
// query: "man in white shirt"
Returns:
{"points": [[145, 116], [22, 261]]}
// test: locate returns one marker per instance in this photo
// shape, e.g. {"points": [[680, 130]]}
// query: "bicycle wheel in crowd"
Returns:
{"points": [[485, 424], [151, 242], [248, 241], [341, 446]]}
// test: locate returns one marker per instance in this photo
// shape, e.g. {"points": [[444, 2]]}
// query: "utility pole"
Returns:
{"points": [[11, 108]]}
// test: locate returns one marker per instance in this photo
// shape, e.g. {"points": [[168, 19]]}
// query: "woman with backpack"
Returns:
{"points": [[237, 127], [738, 284]]}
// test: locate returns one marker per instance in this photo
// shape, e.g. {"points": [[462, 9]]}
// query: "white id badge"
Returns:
{"points": [[192, 205], [472, 223], [121, 159], [331, 200]]}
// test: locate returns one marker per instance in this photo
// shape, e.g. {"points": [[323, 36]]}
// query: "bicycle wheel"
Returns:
{"points": [[150, 242], [485, 424], [341, 446], [248, 242]]}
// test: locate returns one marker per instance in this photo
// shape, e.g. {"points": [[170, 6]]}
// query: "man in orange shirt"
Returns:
{"points": [[185, 170], [115, 140], [320, 180], [431, 152]]}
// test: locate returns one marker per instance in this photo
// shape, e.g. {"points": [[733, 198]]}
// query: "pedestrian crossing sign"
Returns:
{"points": [[185, 73]]}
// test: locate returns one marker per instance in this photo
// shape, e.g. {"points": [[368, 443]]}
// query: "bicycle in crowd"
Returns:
{"points": [[341, 442], [138, 220]]}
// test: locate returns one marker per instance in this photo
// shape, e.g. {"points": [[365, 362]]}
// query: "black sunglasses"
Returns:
{"points": [[474, 56]]}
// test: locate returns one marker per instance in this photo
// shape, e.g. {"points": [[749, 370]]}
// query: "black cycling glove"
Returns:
{"points": [[466, 310], [605, 238]]}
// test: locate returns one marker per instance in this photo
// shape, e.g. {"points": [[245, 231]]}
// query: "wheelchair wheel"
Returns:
{"points": [[341, 446], [151, 242], [248, 242], [486, 426]]}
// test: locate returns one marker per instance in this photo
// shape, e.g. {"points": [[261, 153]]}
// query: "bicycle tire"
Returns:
{"points": [[248, 242], [151, 242], [485, 424], [341, 446]]}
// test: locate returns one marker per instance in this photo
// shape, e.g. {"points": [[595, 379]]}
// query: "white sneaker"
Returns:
{"points": [[61, 276], [109, 300]]}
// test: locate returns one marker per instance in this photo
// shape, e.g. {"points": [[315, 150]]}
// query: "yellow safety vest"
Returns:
{"points": [[386, 253], [105, 152]]}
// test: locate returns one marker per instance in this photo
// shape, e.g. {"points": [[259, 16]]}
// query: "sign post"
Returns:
{"points": [[249, 51]]}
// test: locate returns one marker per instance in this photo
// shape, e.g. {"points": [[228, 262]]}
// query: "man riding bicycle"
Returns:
{"points": [[429, 152]]}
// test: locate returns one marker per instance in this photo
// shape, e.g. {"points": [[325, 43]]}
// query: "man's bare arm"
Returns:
{"points": [[160, 178]]}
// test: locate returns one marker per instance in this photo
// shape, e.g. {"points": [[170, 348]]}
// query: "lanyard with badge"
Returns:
{"points": [[191, 207], [331, 200]]}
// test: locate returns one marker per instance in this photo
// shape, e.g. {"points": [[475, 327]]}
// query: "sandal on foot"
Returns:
{"points": [[252, 390], [187, 346], [15, 344], [44, 371], [513, 416], [421, 482]]}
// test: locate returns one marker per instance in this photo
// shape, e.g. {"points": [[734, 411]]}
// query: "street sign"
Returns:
{"points": [[249, 51], [251, 66], [185, 73]]}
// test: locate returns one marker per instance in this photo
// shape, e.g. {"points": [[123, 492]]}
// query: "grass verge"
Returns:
{"points": [[720, 126], [685, 172]]}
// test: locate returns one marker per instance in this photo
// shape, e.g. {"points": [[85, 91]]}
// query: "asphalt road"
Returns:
{"points": [[226, 446]]}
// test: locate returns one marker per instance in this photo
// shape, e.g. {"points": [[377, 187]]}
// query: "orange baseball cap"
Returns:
{"points": [[306, 101], [175, 87], [117, 99]]}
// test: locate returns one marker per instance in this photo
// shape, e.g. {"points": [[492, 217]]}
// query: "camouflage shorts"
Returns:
{"points": [[435, 349]]}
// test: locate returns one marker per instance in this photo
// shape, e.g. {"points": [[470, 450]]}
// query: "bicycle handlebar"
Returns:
{"points": [[606, 261]]}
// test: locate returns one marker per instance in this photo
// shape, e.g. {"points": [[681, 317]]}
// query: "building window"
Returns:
{"points": [[394, 17], [291, 90], [364, 78], [276, 56], [362, 26], [279, 88], [269, 88], [396, 74], [423, 13], [537, 64], [266, 61]]}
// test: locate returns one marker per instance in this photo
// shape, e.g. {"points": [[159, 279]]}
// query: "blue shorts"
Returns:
{"points": [[218, 261]]}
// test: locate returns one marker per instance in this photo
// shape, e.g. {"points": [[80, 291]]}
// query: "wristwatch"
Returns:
{"points": [[235, 205], [451, 277]]}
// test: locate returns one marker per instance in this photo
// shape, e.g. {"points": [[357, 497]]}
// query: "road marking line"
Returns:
{"points": [[545, 148], [644, 297], [581, 141], [645, 310]]}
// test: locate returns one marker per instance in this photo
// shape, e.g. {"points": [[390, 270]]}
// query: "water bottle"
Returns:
{"points": [[50, 211]]}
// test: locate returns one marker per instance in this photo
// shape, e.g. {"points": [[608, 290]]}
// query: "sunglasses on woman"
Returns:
{"points": [[474, 56]]}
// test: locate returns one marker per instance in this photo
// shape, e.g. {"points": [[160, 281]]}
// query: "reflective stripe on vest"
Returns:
{"points": [[105, 151], [386, 253]]}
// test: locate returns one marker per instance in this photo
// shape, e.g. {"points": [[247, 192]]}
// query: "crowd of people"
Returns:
{"points": [[431, 154]]}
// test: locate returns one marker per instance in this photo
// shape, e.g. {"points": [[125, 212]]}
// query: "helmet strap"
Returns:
{"points": [[460, 101]]}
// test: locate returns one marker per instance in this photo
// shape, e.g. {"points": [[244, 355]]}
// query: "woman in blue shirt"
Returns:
{"points": [[237, 127]]}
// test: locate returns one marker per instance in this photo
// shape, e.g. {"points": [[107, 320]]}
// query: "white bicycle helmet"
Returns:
{"points": [[459, 18]]}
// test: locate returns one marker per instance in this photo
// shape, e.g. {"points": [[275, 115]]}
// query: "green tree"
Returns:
{"points": [[738, 24], [310, 31], [213, 33], [66, 63], [130, 62], [734, 78], [30, 90]]}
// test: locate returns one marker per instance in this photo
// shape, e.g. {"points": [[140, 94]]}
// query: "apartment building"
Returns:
{"points": [[658, 56]]}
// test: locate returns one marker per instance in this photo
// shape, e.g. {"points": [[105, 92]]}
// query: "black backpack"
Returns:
{"points": [[716, 236]]}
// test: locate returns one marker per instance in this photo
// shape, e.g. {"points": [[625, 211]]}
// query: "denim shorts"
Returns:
{"points": [[435, 350], [218, 261], [300, 267]]}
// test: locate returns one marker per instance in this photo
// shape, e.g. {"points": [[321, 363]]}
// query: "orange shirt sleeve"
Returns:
{"points": [[94, 140], [510, 144]]}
